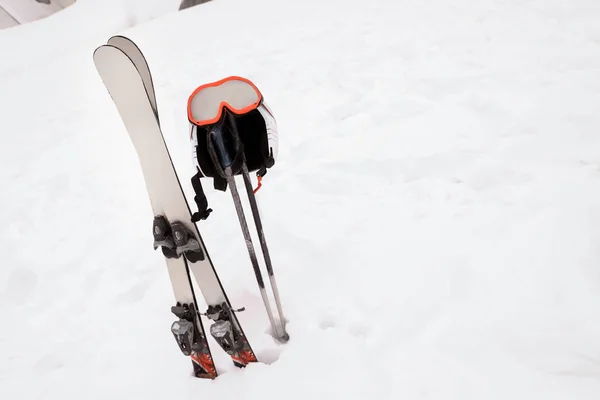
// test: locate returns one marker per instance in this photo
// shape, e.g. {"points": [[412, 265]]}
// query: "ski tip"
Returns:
{"points": [[103, 49]]}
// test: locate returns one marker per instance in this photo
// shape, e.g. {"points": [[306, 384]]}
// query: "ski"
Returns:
{"points": [[136, 55], [198, 270], [128, 80]]}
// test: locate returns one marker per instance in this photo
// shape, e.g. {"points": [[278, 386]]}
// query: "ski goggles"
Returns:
{"points": [[207, 103]]}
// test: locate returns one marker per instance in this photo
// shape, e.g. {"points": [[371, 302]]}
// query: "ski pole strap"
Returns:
{"points": [[200, 199]]}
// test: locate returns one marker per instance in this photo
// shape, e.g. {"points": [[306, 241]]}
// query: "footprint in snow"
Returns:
{"points": [[327, 322], [355, 328]]}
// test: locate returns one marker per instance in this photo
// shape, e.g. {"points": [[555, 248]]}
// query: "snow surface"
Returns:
{"points": [[434, 218]]}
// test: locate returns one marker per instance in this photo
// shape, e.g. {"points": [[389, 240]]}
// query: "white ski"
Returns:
{"points": [[129, 83]]}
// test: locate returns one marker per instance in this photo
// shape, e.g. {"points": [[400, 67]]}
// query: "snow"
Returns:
{"points": [[433, 218]]}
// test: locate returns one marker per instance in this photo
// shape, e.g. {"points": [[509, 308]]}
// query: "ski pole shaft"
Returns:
{"points": [[264, 247], [244, 225]]}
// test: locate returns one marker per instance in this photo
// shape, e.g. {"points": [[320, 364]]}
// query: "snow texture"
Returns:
{"points": [[433, 218]]}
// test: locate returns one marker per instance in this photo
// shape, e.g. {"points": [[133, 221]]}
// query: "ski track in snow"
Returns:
{"points": [[433, 219]]}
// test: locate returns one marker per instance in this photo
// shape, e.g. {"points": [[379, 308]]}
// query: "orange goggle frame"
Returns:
{"points": [[206, 103]]}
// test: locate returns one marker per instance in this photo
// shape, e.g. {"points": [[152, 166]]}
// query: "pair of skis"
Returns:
{"points": [[125, 73]]}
